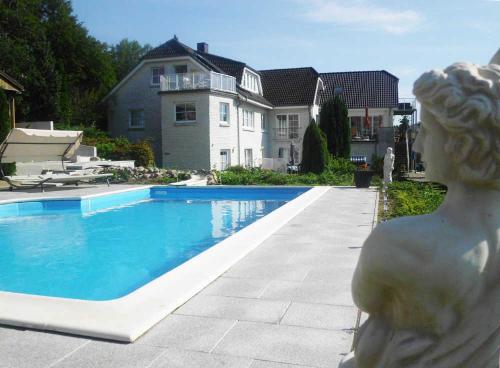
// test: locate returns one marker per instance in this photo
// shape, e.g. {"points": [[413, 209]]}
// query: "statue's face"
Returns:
{"points": [[430, 143]]}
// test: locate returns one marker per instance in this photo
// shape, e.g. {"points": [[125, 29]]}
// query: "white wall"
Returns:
{"points": [[222, 135], [138, 93], [255, 138], [186, 145]]}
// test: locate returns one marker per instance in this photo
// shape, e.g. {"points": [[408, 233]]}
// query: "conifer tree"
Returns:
{"points": [[314, 150]]}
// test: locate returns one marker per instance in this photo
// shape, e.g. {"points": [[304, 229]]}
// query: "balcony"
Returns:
{"points": [[197, 80], [406, 106], [286, 134]]}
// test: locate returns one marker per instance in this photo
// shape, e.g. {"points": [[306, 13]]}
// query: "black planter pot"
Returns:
{"points": [[363, 178]]}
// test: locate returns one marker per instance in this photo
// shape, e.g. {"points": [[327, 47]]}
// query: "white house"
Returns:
{"points": [[203, 111]]}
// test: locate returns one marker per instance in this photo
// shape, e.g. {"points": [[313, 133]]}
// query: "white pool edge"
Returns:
{"points": [[129, 317]]}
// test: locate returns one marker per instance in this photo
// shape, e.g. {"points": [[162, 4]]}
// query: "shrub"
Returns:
{"points": [[119, 148], [378, 165], [341, 165], [409, 198], [268, 177], [334, 122], [314, 150]]}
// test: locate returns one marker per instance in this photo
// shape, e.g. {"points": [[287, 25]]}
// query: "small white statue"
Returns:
{"points": [[388, 166], [431, 283]]}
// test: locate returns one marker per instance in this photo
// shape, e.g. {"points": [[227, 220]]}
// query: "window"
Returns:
{"points": [[263, 122], [225, 159], [282, 152], [224, 112], [281, 125], [136, 119], [251, 82], [185, 112], [248, 119], [181, 69], [156, 73], [248, 158], [288, 126], [360, 128], [293, 126]]}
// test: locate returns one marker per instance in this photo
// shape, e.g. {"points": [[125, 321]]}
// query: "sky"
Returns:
{"points": [[406, 38]]}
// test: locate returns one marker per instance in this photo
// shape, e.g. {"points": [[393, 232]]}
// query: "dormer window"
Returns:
{"points": [[251, 81], [156, 73]]}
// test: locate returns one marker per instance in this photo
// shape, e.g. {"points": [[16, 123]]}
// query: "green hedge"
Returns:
{"points": [[407, 198], [238, 175]]}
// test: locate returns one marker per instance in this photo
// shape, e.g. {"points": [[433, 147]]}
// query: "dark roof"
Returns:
{"points": [[289, 87], [377, 89], [228, 66], [253, 96], [11, 81], [174, 47]]}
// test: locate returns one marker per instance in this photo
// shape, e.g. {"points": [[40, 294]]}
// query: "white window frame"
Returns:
{"points": [[185, 104], [221, 120], [228, 153], [251, 81], [248, 119], [248, 154], [161, 71], [130, 119], [283, 128]]}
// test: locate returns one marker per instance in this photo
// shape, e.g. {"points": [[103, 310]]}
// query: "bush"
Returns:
{"points": [[377, 165], [341, 165], [409, 198], [314, 150], [257, 176]]}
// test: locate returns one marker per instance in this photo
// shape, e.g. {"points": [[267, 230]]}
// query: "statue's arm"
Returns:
{"points": [[384, 265]]}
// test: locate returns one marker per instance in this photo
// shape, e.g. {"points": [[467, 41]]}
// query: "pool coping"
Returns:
{"points": [[129, 317]]}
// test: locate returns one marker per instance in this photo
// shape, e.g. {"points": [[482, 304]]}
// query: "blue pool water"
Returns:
{"points": [[106, 247]]}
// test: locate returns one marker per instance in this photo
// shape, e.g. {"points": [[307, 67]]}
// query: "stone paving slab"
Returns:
{"points": [[285, 305], [285, 344], [241, 309]]}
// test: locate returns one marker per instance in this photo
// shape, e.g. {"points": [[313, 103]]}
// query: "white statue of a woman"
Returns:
{"points": [[388, 165], [431, 284]]}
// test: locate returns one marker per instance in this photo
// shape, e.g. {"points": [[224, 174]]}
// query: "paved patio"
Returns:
{"points": [[286, 304]]}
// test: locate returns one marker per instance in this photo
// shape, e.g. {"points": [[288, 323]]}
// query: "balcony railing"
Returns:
{"points": [[286, 133], [198, 80]]}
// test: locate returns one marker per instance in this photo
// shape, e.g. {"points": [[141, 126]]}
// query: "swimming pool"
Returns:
{"points": [[113, 265], [105, 248]]}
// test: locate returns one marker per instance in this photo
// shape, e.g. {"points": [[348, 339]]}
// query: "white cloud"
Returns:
{"points": [[363, 15]]}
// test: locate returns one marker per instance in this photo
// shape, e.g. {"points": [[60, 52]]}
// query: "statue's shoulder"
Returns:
{"points": [[403, 236]]}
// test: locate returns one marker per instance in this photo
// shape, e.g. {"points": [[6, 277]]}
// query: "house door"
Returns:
{"points": [[225, 159]]}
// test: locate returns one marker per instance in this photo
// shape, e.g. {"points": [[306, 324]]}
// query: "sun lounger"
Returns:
{"points": [[51, 180], [25, 145]]}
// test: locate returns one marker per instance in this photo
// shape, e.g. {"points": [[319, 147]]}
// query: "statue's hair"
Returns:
{"points": [[465, 100]]}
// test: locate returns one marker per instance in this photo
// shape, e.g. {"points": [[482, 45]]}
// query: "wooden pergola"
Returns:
{"points": [[11, 88]]}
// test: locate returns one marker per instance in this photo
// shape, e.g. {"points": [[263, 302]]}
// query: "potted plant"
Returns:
{"points": [[363, 176]]}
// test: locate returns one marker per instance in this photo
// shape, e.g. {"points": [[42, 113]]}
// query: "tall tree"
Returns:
{"points": [[45, 47], [334, 122], [126, 54], [314, 150]]}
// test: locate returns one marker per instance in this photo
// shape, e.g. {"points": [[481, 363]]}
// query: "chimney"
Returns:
{"points": [[202, 47]]}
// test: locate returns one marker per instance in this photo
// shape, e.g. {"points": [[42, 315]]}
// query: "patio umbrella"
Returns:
{"points": [[292, 154]]}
